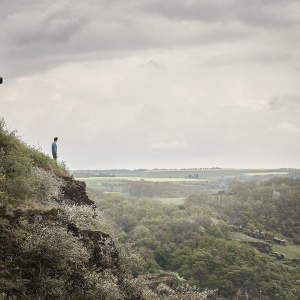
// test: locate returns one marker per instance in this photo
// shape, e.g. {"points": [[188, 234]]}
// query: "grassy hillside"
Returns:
{"points": [[56, 245]]}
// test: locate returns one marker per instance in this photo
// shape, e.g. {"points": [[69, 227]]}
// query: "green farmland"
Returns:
{"points": [[183, 174], [183, 182]]}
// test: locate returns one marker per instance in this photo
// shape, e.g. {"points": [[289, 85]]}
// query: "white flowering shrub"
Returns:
{"points": [[149, 294], [130, 260], [53, 243], [53, 256], [45, 185], [86, 217], [132, 288], [185, 292], [102, 286]]}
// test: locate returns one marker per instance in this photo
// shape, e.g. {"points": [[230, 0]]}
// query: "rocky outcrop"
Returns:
{"points": [[102, 249], [154, 280], [75, 191]]}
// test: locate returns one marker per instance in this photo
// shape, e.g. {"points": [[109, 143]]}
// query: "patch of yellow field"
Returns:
{"points": [[266, 173], [157, 179], [182, 170]]}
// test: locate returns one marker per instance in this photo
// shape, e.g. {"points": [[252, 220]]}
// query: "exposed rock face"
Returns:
{"points": [[154, 280], [75, 191], [102, 249]]}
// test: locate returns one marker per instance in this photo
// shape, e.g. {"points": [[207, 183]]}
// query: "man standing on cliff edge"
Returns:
{"points": [[54, 148]]}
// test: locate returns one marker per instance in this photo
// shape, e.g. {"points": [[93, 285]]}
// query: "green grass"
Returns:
{"points": [[290, 251], [238, 236], [105, 184]]}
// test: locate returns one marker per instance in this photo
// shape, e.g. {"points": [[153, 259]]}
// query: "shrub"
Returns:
{"points": [[17, 169], [86, 217], [53, 244], [130, 260], [45, 185], [185, 292], [2, 178], [103, 285]]}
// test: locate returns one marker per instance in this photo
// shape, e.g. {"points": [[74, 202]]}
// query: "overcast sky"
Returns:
{"points": [[154, 84]]}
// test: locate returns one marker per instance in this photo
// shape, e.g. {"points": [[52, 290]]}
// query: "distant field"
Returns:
{"points": [[211, 180], [204, 174], [177, 176], [153, 179], [266, 173], [105, 184]]}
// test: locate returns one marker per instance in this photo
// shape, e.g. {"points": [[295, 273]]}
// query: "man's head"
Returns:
{"points": [[55, 139]]}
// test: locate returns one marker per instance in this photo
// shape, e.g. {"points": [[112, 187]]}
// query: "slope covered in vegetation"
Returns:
{"points": [[55, 244]]}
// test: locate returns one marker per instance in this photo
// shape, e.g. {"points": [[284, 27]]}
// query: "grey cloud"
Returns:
{"points": [[153, 64], [255, 13], [262, 57], [41, 35], [46, 35], [289, 103], [55, 24], [37, 37]]}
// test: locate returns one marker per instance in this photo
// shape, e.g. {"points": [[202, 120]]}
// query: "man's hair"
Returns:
{"points": [[55, 139]]}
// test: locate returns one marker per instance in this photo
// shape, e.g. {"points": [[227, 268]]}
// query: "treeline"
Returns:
{"points": [[196, 241], [103, 173]]}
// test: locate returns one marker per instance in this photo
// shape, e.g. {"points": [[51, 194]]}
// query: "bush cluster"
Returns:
{"points": [[45, 185], [54, 244], [86, 217]]}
